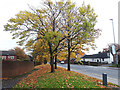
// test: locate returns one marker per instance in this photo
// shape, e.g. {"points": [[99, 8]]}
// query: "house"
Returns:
{"points": [[8, 55], [105, 57]]}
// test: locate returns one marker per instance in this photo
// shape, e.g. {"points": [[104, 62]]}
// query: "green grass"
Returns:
{"points": [[61, 78], [115, 65], [61, 81]]}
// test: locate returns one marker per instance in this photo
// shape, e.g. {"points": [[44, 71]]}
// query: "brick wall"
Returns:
{"points": [[14, 68]]}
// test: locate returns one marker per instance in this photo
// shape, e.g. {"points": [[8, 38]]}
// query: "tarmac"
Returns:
{"points": [[10, 83]]}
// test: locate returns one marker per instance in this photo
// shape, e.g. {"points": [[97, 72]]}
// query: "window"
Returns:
{"points": [[12, 57], [103, 59], [9, 57], [108, 54], [3, 57]]}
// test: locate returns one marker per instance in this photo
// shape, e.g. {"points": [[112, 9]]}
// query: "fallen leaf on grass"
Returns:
{"points": [[67, 86], [72, 87], [58, 81], [101, 86]]}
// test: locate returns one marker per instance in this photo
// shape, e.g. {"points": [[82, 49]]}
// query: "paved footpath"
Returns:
{"points": [[10, 83]]}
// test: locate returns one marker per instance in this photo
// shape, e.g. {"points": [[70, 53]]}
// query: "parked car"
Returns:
{"points": [[62, 62]]}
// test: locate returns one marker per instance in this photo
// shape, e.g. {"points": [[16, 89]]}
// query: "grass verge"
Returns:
{"points": [[61, 78], [115, 65]]}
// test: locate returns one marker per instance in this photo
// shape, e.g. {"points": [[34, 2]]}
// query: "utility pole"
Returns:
{"points": [[113, 47], [118, 29]]}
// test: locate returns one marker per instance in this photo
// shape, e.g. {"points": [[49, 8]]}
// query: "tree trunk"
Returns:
{"points": [[114, 59], [51, 58], [55, 61], [52, 62], [68, 54], [119, 59]]}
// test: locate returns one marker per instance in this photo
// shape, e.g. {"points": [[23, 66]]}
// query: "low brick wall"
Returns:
{"points": [[14, 68]]}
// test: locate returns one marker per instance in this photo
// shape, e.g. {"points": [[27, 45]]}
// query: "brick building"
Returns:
{"points": [[8, 55]]}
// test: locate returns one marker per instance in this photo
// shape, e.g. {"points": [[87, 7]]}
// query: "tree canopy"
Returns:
{"points": [[55, 26]]}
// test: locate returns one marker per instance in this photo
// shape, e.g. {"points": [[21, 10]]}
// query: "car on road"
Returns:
{"points": [[62, 62]]}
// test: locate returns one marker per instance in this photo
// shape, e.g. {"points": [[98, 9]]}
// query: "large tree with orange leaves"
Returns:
{"points": [[40, 51]]}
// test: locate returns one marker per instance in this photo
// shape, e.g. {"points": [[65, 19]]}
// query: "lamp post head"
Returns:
{"points": [[111, 19]]}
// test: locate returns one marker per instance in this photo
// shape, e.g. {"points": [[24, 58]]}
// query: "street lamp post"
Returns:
{"points": [[113, 30], [113, 47]]}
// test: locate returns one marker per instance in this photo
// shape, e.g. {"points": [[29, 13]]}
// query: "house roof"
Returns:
{"points": [[4, 53], [99, 55]]}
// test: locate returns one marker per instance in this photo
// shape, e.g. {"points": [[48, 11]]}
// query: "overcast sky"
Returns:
{"points": [[105, 9]]}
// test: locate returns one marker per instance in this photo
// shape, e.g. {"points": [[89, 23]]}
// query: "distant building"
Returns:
{"points": [[8, 55], [100, 57]]}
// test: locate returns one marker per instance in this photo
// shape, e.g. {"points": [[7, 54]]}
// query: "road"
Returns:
{"points": [[113, 74]]}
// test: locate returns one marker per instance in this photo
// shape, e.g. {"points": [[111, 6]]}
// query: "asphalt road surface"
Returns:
{"points": [[113, 74]]}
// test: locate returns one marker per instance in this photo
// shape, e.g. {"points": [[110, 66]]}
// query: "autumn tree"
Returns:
{"points": [[79, 28], [40, 51], [42, 23], [117, 48], [20, 53], [55, 22]]}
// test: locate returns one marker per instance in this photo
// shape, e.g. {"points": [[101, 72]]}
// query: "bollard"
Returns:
{"points": [[105, 79]]}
